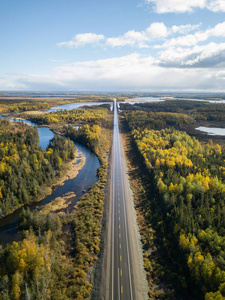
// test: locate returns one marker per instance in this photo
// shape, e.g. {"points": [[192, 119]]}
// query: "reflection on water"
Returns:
{"points": [[45, 135], [212, 131]]}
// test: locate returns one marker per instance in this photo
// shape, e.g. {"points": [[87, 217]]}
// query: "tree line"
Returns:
{"points": [[198, 110]]}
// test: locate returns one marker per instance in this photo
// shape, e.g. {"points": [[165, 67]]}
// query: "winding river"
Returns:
{"points": [[86, 177]]}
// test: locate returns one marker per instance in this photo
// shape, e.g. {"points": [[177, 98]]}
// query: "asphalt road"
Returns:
{"points": [[121, 279]]}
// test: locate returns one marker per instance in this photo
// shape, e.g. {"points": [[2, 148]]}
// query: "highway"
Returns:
{"points": [[123, 274], [121, 281]]}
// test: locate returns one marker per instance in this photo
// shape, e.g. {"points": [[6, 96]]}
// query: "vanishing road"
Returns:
{"points": [[125, 264]]}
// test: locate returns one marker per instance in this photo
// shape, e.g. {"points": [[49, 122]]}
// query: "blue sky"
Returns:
{"points": [[133, 46]]}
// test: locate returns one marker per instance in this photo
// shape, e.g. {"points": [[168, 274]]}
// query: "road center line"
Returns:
{"points": [[119, 283], [125, 219]]}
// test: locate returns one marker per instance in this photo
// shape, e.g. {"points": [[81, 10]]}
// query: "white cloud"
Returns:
{"points": [[216, 5], [177, 6], [184, 28], [156, 30], [207, 56], [130, 38], [128, 73], [139, 39], [83, 39], [181, 6], [194, 39]]}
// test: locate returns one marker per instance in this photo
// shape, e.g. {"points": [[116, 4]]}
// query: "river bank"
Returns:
{"points": [[71, 170]]}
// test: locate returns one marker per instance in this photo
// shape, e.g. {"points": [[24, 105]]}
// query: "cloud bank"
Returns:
{"points": [[183, 6], [131, 73]]}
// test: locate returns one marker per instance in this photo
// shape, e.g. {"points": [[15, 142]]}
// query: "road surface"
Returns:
{"points": [[125, 276]]}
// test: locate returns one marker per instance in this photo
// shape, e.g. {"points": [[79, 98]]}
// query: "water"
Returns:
{"points": [[86, 177], [160, 99], [75, 106], [147, 99], [45, 134], [212, 130]]}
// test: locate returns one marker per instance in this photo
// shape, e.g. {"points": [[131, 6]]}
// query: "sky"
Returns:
{"points": [[112, 46]]}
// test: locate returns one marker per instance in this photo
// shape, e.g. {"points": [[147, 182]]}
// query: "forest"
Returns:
{"points": [[24, 104], [186, 207], [199, 110], [59, 245], [69, 116], [24, 167]]}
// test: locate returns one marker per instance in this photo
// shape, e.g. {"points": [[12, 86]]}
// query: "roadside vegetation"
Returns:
{"points": [[180, 201]]}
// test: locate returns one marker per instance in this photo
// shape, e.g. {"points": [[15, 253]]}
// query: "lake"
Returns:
{"points": [[212, 130]]}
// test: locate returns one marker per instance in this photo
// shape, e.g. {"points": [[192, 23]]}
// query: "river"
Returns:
{"points": [[76, 106], [86, 177], [45, 134]]}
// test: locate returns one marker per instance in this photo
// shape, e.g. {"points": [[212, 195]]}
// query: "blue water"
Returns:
{"points": [[212, 130], [74, 106], [45, 134]]}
